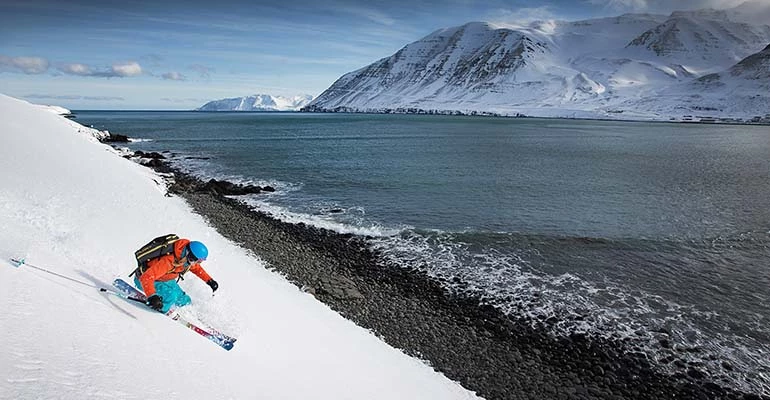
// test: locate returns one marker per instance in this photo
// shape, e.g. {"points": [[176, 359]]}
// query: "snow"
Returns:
{"points": [[616, 67], [55, 109], [258, 102], [71, 205]]}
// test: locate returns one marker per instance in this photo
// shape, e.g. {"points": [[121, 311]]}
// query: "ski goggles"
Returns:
{"points": [[191, 259]]}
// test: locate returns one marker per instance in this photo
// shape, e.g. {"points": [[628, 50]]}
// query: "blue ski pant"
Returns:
{"points": [[172, 294]]}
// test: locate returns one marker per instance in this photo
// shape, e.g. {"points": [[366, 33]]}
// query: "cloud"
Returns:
{"points": [[522, 16], [127, 69], [183, 100], [73, 97], [75, 69], [118, 70], [27, 65], [665, 6], [757, 12], [371, 14], [173, 76], [636, 5], [202, 70]]}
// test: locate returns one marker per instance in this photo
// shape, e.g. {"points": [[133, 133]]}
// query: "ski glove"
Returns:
{"points": [[214, 285], [155, 302]]}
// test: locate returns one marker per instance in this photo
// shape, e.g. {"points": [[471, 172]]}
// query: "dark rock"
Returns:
{"points": [[695, 374], [115, 138], [154, 163], [226, 188], [153, 155], [339, 287]]}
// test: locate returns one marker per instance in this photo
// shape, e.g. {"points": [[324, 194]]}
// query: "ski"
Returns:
{"points": [[128, 290], [222, 340]]}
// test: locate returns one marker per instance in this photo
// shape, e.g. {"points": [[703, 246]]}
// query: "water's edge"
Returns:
{"points": [[498, 356]]}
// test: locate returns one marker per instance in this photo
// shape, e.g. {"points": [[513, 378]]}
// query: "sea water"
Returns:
{"points": [[654, 232]]}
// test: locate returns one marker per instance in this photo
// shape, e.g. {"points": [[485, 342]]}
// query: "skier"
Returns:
{"points": [[159, 280]]}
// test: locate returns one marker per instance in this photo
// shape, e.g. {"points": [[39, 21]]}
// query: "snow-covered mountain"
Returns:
{"points": [[258, 102], [621, 67]]}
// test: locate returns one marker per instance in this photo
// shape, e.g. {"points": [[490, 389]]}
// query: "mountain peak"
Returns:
{"points": [[705, 33], [755, 66], [473, 57]]}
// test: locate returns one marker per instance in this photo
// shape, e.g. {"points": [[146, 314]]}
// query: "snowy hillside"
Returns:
{"points": [[74, 207], [610, 67], [755, 67], [746, 85], [258, 102]]}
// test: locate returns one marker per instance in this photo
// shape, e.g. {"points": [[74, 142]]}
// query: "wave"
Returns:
{"points": [[328, 218]]}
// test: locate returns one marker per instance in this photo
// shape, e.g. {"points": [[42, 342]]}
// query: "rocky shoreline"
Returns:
{"points": [[497, 356]]}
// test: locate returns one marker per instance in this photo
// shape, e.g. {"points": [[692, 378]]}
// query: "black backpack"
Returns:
{"points": [[158, 247]]}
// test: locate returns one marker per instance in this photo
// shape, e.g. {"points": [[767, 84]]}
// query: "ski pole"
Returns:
{"points": [[21, 262]]}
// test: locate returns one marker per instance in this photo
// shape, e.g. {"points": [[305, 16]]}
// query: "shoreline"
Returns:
{"points": [[498, 356], [704, 120], [456, 113]]}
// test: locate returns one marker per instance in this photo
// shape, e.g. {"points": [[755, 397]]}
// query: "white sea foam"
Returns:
{"points": [[325, 221], [608, 310]]}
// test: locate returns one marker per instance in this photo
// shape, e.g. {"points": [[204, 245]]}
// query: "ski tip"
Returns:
{"points": [[228, 346], [17, 262]]}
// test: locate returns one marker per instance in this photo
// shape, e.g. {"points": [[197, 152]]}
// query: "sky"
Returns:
{"points": [[70, 205], [114, 54]]}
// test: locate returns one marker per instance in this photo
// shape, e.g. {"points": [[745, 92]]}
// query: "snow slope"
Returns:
{"points": [[609, 67], [258, 102], [746, 85], [73, 206]]}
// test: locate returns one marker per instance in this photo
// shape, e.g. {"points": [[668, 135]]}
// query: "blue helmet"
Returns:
{"points": [[198, 250]]}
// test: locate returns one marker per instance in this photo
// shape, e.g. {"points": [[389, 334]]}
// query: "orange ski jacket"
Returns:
{"points": [[169, 267]]}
